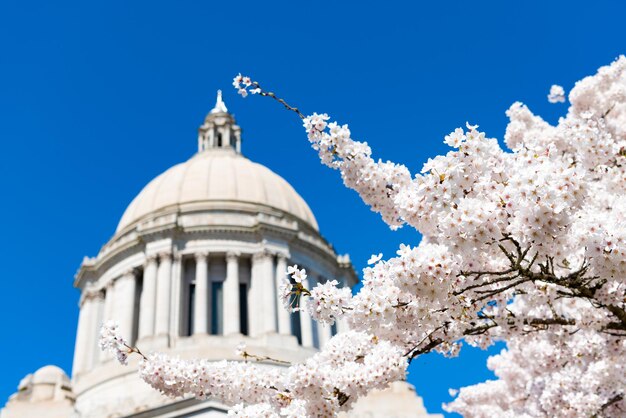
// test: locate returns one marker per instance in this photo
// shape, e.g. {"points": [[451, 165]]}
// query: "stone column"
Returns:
{"points": [[284, 316], [231, 295], [109, 302], [109, 313], [325, 333], [86, 333], [148, 298], [306, 326], [201, 299], [265, 293], [164, 282], [342, 325], [175, 299], [269, 295], [125, 288], [80, 346], [96, 325]]}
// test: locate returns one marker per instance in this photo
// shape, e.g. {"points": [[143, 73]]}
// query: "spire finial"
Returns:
{"points": [[219, 129], [220, 107]]}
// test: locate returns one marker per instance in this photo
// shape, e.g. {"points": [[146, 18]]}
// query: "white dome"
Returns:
{"points": [[49, 375], [217, 175]]}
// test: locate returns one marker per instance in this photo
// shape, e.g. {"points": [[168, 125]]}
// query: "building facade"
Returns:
{"points": [[192, 270]]}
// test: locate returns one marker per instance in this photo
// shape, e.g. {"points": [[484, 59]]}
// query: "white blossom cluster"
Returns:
{"points": [[525, 245], [566, 375], [112, 341], [326, 301], [551, 211], [352, 364], [324, 384], [557, 94], [377, 182], [231, 382], [242, 84]]}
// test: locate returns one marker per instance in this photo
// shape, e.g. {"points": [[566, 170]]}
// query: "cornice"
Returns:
{"points": [[256, 227], [178, 233], [254, 209]]}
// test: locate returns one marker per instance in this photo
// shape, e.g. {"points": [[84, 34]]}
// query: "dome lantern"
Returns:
{"points": [[219, 130]]}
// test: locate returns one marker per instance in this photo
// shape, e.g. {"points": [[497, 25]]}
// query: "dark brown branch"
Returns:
{"points": [[278, 99], [576, 284], [611, 401]]}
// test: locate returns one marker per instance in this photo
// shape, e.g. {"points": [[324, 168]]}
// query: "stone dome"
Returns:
{"points": [[50, 375], [217, 176]]}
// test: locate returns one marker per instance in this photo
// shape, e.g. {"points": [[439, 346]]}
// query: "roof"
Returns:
{"points": [[217, 175]]}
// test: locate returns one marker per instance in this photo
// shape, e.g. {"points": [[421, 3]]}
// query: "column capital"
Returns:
{"points": [[90, 294], [99, 294], [282, 257], [230, 255], [261, 255], [151, 258], [178, 256], [165, 255], [128, 274], [201, 255]]}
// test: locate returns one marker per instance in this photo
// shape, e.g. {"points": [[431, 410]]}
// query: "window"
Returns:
{"points": [[190, 307], [245, 272], [217, 275], [295, 326], [136, 307], [243, 308], [316, 334], [187, 296], [219, 139], [217, 308]]}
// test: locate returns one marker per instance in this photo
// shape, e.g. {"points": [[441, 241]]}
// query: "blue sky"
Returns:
{"points": [[97, 98]]}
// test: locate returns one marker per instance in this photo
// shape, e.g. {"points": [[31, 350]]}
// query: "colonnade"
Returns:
{"points": [[160, 309]]}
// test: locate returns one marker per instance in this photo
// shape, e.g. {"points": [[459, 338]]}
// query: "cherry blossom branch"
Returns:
{"points": [[242, 84], [241, 351], [502, 231], [576, 283], [111, 340], [615, 399]]}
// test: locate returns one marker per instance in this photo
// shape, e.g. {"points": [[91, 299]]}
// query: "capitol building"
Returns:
{"points": [[192, 270]]}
